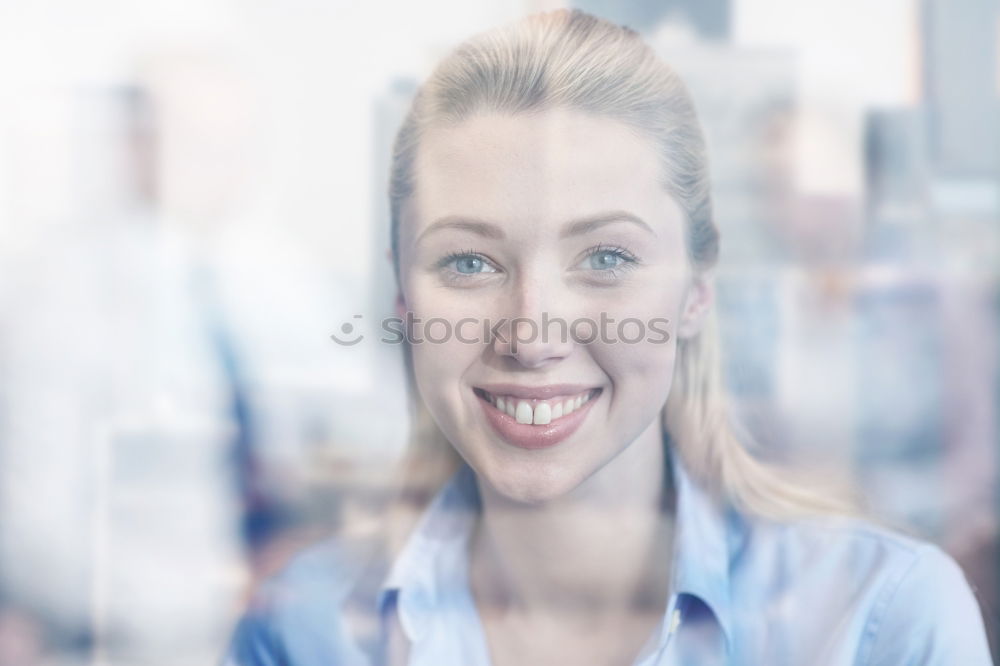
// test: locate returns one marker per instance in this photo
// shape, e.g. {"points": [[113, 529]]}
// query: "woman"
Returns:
{"points": [[592, 503]]}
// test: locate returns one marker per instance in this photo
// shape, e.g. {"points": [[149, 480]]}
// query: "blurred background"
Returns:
{"points": [[192, 199]]}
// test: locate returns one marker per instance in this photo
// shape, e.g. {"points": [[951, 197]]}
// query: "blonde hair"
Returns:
{"points": [[573, 60]]}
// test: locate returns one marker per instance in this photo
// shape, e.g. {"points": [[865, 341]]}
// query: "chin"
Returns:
{"points": [[531, 484]]}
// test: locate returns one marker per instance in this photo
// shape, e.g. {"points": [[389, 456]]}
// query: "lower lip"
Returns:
{"points": [[527, 436]]}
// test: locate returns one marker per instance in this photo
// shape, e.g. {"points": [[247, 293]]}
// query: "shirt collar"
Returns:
{"points": [[701, 548], [701, 553], [444, 527]]}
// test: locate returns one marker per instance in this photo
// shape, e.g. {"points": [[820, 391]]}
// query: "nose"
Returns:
{"points": [[535, 335]]}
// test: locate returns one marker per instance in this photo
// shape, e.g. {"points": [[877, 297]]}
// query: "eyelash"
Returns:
{"points": [[451, 276], [452, 256], [630, 261]]}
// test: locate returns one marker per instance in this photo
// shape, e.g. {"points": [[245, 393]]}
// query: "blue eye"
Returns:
{"points": [[466, 263], [610, 259], [606, 259], [469, 264]]}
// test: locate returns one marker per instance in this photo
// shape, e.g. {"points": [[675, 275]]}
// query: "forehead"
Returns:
{"points": [[537, 169]]}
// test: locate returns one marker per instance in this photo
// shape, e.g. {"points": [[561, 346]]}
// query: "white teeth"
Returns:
{"points": [[523, 412], [543, 414]]}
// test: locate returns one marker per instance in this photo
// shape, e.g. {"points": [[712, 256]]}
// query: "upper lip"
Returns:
{"points": [[538, 392]]}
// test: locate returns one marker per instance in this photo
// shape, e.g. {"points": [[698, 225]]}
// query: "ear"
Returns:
{"points": [[400, 300], [698, 302], [400, 305]]}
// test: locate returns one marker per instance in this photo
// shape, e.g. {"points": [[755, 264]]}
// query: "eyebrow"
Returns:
{"points": [[592, 222], [480, 227], [495, 231]]}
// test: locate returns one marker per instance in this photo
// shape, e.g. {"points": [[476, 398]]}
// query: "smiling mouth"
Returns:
{"points": [[535, 411]]}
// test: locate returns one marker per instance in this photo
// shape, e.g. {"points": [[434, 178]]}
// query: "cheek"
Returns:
{"points": [[640, 373], [641, 376], [438, 370], [639, 354], [641, 317], [443, 349], [440, 359]]}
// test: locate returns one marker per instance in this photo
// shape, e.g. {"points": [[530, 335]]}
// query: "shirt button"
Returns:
{"points": [[675, 620]]}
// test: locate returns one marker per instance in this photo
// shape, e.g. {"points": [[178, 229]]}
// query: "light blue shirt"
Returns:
{"points": [[745, 592]]}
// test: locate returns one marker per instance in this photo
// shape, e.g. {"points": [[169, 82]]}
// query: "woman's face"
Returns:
{"points": [[557, 220]]}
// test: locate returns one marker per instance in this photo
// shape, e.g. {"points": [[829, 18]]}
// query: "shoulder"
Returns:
{"points": [[295, 616], [853, 550], [907, 600], [926, 611]]}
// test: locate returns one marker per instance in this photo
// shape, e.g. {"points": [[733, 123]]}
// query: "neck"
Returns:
{"points": [[602, 550]]}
